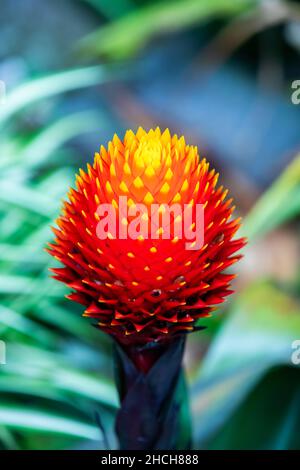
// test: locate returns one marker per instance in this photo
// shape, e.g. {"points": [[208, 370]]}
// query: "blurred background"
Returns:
{"points": [[221, 73]]}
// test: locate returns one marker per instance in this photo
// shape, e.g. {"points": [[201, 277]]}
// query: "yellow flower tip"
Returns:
{"points": [[108, 187], [166, 136], [148, 199], [169, 174], [165, 188], [114, 204], [184, 186], [140, 133], [127, 169], [176, 198], [149, 172], [112, 170], [138, 183], [123, 187], [130, 202]]}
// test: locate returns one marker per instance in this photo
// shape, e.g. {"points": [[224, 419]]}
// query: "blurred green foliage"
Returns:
{"points": [[115, 42], [244, 391]]}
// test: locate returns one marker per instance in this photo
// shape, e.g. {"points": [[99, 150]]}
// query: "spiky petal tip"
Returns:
{"points": [[146, 289]]}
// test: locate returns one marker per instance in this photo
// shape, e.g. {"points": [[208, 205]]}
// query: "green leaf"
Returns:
{"points": [[269, 417], [127, 35], [280, 203], [7, 438], [41, 421], [11, 284], [40, 88], [24, 325], [54, 136], [27, 198], [22, 253], [258, 335], [56, 373], [66, 320], [112, 9]]}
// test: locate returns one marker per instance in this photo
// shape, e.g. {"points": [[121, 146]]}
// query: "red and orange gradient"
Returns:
{"points": [[146, 290]]}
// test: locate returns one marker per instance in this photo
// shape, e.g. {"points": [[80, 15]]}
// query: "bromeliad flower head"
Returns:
{"points": [[149, 287]]}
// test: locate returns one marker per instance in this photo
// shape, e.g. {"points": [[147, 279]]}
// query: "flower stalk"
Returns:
{"points": [[153, 413]]}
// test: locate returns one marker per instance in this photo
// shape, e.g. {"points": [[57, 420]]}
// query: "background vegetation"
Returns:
{"points": [[219, 71]]}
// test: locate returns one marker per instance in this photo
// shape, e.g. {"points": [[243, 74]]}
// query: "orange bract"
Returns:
{"points": [[146, 289]]}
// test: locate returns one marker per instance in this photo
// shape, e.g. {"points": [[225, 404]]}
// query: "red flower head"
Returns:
{"points": [[151, 287]]}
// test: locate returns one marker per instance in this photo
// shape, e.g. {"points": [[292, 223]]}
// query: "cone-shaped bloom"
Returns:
{"points": [[148, 288]]}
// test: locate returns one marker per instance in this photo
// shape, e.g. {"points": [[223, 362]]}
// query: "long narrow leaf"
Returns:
{"points": [[44, 87], [126, 35], [39, 421], [280, 203]]}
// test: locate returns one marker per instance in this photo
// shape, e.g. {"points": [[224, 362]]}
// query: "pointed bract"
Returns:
{"points": [[146, 289]]}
